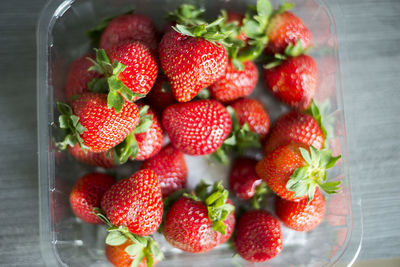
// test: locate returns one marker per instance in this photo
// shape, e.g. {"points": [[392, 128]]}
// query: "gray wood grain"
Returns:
{"points": [[369, 38]]}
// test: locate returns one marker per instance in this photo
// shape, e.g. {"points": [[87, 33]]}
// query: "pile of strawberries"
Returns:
{"points": [[191, 82]]}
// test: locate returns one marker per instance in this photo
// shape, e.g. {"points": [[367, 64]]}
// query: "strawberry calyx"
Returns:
{"points": [[71, 126], [216, 201], [239, 139], [259, 196], [187, 14], [142, 247], [324, 119], [255, 25], [314, 111], [290, 51], [110, 83], [129, 147], [305, 180], [94, 34], [210, 32]]}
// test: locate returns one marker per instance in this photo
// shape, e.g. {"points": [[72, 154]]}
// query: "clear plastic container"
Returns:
{"points": [[66, 241]]}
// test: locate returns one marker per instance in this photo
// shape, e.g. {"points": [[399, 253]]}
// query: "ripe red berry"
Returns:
{"points": [[294, 82], [170, 166], [135, 202], [294, 127], [235, 83], [284, 29], [299, 216], [131, 27], [197, 127], [87, 193], [258, 236]]}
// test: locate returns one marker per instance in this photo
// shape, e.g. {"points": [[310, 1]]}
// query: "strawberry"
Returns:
{"points": [[144, 141], [93, 125], [235, 83], [245, 183], [170, 166], [293, 173], [296, 127], [150, 140], [78, 77], [294, 82], [87, 193], [198, 223], [198, 127], [129, 69], [258, 236], [101, 159], [130, 27], [135, 203], [192, 59], [119, 256], [300, 216], [252, 112], [285, 28], [160, 95]]}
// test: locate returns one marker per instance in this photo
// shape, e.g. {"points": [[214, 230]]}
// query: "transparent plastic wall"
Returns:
{"points": [[66, 241]]}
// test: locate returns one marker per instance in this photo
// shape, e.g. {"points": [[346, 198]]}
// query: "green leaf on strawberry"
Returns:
{"points": [[71, 126], [142, 247], [187, 14], [304, 180], [240, 138], [216, 201]]}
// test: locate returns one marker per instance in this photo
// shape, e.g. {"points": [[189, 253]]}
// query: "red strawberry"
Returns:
{"points": [[293, 173], [119, 257], [294, 82], [87, 193], [141, 66], [79, 76], [238, 18], [170, 166], [299, 216], [131, 27], [198, 127], [252, 112], [144, 141], [101, 159], [160, 95], [192, 227], [258, 236], [150, 141], [295, 127], [135, 203], [235, 83], [243, 179], [93, 125], [129, 69], [191, 63], [284, 29]]}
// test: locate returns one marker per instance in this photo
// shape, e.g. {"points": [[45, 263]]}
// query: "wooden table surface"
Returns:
{"points": [[369, 38]]}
